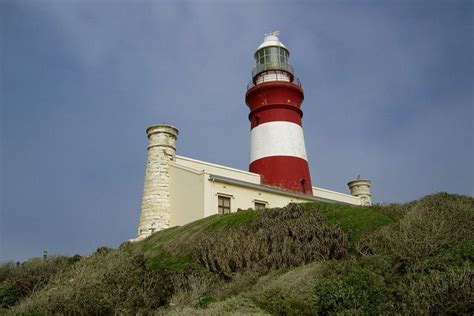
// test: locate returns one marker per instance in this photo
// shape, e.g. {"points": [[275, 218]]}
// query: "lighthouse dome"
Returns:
{"points": [[271, 40]]}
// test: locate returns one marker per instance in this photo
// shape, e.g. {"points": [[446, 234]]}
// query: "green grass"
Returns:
{"points": [[172, 248], [230, 221], [169, 261], [358, 221]]}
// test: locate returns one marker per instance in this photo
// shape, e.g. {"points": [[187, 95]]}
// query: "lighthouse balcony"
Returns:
{"points": [[272, 76]]}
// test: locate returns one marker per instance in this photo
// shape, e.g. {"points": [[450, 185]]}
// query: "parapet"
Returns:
{"points": [[162, 135]]}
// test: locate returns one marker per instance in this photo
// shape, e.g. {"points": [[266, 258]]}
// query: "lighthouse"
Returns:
{"points": [[178, 190], [274, 97]]}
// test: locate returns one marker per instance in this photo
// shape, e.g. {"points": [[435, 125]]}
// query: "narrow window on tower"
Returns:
{"points": [[303, 185], [223, 204]]}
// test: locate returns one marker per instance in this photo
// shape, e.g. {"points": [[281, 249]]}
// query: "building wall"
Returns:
{"points": [[336, 196], [187, 195], [218, 169], [244, 198], [211, 168], [194, 191]]}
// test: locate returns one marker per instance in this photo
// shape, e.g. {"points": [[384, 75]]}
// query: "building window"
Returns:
{"points": [[223, 204], [260, 206]]}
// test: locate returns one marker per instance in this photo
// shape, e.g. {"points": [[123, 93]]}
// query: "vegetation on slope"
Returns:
{"points": [[316, 258]]}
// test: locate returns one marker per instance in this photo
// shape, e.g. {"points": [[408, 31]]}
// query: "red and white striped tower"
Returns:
{"points": [[274, 96]]}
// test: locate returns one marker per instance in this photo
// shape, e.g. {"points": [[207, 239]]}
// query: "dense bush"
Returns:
{"points": [[441, 284], [286, 292], [6, 270], [278, 301], [351, 288], [355, 287], [437, 292], [192, 288], [278, 238], [428, 226], [431, 252], [236, 305], [31, 276], [105, 283], [10, 294]]}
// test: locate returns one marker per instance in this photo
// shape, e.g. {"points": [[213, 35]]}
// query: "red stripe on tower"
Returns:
{"points": [[277, 151]]}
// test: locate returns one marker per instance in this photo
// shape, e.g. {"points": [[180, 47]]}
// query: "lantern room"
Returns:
{"points": [[272, 61]]}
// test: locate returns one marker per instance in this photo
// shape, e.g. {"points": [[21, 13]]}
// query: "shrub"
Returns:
{"points": [[236, 305], [240, 282], [31, 276], [6, 270], [440, 284], [459, 255], [287, 292], [193, 288], [106, 282], [355, 288], [74, 259], [437, 292], [377, 285], [10, 294], [279, 302], [428, 226], [278, 238]]}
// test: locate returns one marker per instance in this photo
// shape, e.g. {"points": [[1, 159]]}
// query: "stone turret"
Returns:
{"points": [[361, 188], [155, 208]]}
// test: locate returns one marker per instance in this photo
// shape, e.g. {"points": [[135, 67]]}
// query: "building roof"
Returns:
{"points": [[266, 188]]}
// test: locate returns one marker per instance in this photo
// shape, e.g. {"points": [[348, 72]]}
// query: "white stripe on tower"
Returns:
{"points": [[277, 139]]}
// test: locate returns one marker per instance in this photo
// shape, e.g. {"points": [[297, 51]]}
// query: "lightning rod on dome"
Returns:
{"points": [[273, 33]]}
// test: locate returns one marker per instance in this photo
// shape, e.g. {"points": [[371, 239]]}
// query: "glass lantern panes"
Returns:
{"points": [[272, 56]]}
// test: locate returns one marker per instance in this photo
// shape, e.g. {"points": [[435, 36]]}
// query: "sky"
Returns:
{"points": [[388, 96]]}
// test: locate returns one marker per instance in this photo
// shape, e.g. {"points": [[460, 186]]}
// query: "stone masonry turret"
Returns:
{"points": [[361, 188], [155, 208]]}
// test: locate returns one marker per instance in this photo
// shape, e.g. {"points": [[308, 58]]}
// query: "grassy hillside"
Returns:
{"points": [[316, 258]]}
